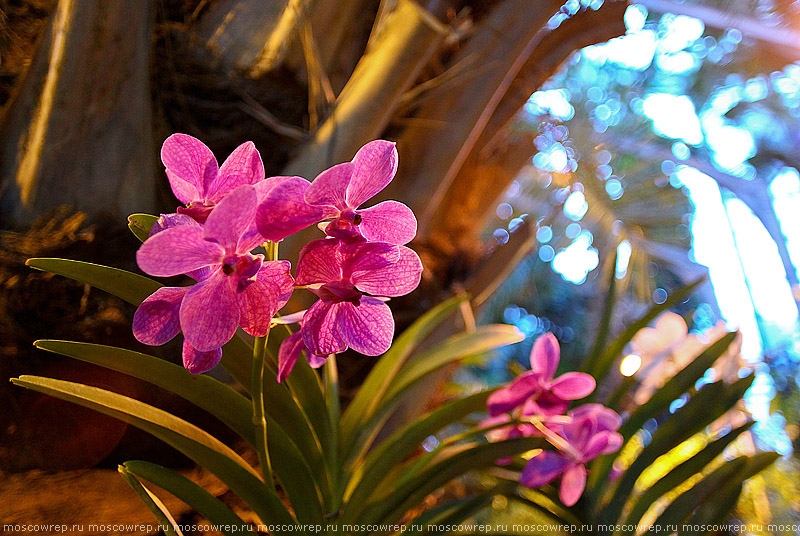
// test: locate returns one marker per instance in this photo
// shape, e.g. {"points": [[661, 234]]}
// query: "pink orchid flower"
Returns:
{"points": [[583, 438], [196, 178], [536, 391], [234, 288], [338, 193], [352, 282]]}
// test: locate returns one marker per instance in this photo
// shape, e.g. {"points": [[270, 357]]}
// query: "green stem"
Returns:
{"points": [[259, 367], [331, 382], [259, 418]]}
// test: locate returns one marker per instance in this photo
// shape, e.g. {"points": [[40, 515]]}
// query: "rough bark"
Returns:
{"points": [[79, 129]]}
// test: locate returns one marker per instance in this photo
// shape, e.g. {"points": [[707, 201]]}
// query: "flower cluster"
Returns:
{"points": [[537, 403], [231, 210]]}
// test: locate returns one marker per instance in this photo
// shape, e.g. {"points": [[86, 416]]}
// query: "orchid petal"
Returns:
{"points": [[190, 166], [318, 328], [168, 221], [288, 353], [394, 280], [543, 469], [156, 321], [368, 328], [389, 221], [319, 262], [282, 211], [579, 431], [573, 385], [198, 362], [243, 166], [262, 298], [230, 218], [573, 482], [607, 418], [330, 187], [596, 445], [315, 361], [178, 250], [515, 394], [545, 405], [615, 441], [545, 355], [292, 318], [209, 313], [374, 167]]}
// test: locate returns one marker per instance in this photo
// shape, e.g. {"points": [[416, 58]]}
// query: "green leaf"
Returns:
{"points": [[483, 339], [676, 386], [679, 384], [134, 288], [188, 439], [184, 489], [680, 474], [205, 392], [383, 373], [398, 500], [165, 520], [711, 402], [723, 500], [684, 504], [459, 346], [217, 399], [402, 443], [453, 513], [599, 366], [140, 225]]}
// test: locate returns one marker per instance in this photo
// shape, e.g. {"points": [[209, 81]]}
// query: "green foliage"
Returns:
{"points": [[338, 469]]}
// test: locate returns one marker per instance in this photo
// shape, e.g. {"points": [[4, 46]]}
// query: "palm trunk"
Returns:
{"points": [[78, 132]]}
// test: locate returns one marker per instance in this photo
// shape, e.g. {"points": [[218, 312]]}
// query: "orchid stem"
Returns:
{"points": [[259, 416]]}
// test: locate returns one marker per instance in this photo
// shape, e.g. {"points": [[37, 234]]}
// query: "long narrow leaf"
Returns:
{"points": [[409, 493], [405, 441], [184, 489], [607, 314], [134, 288], [216, 398], [382, 375], [680, 474], [453, 349], [165, 519], [186, 438], [679, 384], [711, 402], [684, 504], [205, 392]]}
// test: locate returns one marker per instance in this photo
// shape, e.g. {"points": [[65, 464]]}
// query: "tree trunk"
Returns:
{"points": [[78, 131], [495, 160]]}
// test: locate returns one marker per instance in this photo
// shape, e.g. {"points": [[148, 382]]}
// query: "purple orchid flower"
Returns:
{"points": [[582, 439], [536, 390], [337, 193], [352, 282], [234, 288], [196, 178]]}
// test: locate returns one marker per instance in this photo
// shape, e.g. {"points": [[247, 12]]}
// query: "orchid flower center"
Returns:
{"points": [[340, 292], [243, 267], [198, 210]]}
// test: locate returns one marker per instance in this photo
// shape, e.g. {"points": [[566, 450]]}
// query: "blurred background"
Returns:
{"points": [[547, 148]]}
